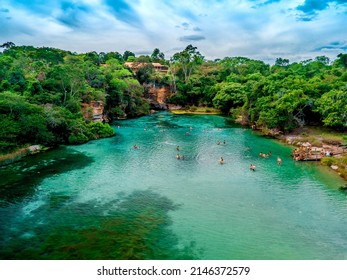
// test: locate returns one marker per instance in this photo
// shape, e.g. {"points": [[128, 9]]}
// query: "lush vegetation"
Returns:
{"points": [[282, 96], [42, 91]]}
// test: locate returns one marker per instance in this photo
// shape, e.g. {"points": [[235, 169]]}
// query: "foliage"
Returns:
{"points": [[284, 96], [333, 108], [42, 89], [100, 130]]}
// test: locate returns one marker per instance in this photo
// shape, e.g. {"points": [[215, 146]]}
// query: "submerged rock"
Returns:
{"points": [[334, 167], [34, 149]]}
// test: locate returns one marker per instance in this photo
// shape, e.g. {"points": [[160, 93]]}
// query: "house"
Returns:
{"points": [[134, 66]]}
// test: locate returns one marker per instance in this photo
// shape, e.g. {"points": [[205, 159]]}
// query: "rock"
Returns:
{"points": [[158, 106], [334, 167], [174, 107], [34, 149], [93, 111], [275, 132]]}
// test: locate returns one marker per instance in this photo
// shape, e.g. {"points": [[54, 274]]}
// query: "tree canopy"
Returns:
{"points": [[42, 91]]}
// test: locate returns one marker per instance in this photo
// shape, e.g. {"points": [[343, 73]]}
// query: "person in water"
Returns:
{"points": [[178, 156], [252, 167], [136, 147], [279, 161], [221, 161], [224, 142], [178, 148]]}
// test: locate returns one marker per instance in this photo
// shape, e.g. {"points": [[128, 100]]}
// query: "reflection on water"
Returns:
{"points": [[19, 180]]}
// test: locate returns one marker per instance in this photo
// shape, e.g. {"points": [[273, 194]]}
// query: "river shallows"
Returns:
{"points": [[107, 200]]}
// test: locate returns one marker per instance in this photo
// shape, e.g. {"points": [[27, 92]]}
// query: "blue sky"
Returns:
{"points": [[259, 29]]}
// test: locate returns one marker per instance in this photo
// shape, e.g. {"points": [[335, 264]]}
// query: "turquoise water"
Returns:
{"points": [[107, 200]]}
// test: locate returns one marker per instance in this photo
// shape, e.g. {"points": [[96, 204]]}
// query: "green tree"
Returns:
{"points": [[228, 95], [127, 54], [282, 62], [188, 59], [333, 108], [157, 55]]}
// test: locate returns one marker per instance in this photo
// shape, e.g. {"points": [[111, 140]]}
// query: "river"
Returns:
{"points": [[107, 200]]}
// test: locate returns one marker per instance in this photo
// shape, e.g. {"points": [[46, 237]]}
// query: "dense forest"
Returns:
{"points": [[42, 91]]}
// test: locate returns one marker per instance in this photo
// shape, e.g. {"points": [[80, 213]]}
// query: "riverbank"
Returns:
{"points": [[318, 144], [195, 111], [20, 153]]}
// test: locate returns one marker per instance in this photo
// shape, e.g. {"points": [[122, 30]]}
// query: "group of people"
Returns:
{"points": [[261, 154], [302, 153], [221, 161], [178, 156]]}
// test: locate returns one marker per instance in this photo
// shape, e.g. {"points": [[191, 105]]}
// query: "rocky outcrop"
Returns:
{"points": [[158, 96], [93, 111]]}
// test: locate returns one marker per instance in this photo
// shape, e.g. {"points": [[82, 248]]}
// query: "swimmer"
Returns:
{"points": [[178, 148], [136, 147], [279, 161], [183, 157], [221, 161], [218, 143], [178, 156], [224, 142], [252, 167]]}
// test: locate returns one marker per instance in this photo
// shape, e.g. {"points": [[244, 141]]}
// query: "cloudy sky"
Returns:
{"points": [[259, 29]]}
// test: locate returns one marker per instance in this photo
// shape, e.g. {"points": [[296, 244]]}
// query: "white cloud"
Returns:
{"points": [[258, 29]]}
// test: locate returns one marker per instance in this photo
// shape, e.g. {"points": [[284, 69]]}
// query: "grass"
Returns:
{"points": [[341, 162], [13, 156], [319, 136], [197, 111]]}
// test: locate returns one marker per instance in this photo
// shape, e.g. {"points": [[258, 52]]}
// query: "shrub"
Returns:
{"points": [[100, 130], [328, 161], [193, 108], [6, 147], [78, 138]]}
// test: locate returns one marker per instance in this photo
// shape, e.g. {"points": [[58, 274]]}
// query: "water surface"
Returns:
{"points": [[107, 200]]}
